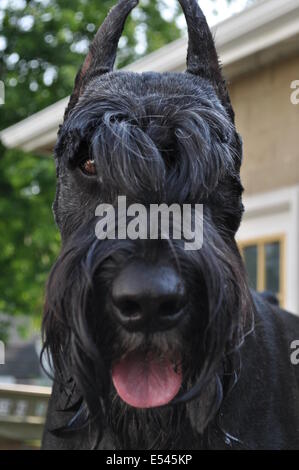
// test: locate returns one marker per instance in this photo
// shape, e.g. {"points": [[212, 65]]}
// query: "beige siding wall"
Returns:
{"points": [[269, 125]]}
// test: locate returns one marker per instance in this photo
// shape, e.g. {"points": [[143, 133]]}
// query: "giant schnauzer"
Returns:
{"points": [[154, 346]]}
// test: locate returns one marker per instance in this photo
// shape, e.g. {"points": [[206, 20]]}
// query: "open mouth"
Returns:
{"points": [[146, 380]]}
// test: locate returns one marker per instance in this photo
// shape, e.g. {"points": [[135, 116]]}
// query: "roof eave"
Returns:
{"points": [[256, 36]]}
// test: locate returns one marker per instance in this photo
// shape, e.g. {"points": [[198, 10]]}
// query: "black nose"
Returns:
{"points": [[148, 297]]}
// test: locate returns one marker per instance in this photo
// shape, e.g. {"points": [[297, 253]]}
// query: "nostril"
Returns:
{"points": [[128, 307], [167, 308], [170, 307]]}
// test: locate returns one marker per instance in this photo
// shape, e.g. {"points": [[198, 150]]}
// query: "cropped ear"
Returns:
{"points": [[102, 51], [202, 58]]}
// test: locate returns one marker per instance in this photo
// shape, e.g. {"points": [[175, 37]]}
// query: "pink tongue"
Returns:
{"points": [[144, 381]]}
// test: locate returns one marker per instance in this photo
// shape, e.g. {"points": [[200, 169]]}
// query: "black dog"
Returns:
{"points": [[154, 346]]}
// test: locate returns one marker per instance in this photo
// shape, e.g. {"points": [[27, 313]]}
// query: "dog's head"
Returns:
{"points": [[143, 327]]}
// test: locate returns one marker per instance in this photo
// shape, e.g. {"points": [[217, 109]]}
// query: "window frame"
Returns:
{"points": [[260, 243]]}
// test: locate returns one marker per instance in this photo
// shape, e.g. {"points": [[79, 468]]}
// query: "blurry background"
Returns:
{"points": [[42, 45]]}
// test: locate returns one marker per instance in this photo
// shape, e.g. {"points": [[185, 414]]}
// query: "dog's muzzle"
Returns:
{"points": [[148, 299]]}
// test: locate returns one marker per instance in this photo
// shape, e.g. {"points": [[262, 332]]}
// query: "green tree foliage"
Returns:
{"points": [[46, 41], [42, 44], [29, 240]]}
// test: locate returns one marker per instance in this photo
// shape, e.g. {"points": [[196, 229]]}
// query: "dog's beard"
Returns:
{"points": [[189, 363], [151, 428], [174, 425]]}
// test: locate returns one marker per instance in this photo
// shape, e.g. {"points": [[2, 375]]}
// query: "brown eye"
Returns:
{"points": [[88, 167]]}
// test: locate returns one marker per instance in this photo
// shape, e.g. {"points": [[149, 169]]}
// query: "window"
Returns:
{"points": [[264, 261]]}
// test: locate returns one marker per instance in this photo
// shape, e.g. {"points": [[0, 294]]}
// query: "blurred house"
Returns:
{"points": [[259, 49], [22, 415], [24, 389], [21, 361]]}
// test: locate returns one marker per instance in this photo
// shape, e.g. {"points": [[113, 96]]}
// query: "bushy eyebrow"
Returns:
{"points": [[148, 145]]}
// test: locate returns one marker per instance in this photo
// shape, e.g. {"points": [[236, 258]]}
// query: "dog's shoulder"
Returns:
{"points": [[262, 410], [276, 320]]}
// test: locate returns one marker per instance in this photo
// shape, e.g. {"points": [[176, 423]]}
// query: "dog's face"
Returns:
{"points": [[143, 326]]}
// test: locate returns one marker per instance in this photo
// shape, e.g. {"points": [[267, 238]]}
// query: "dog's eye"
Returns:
{"points": [[88, 167]]}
